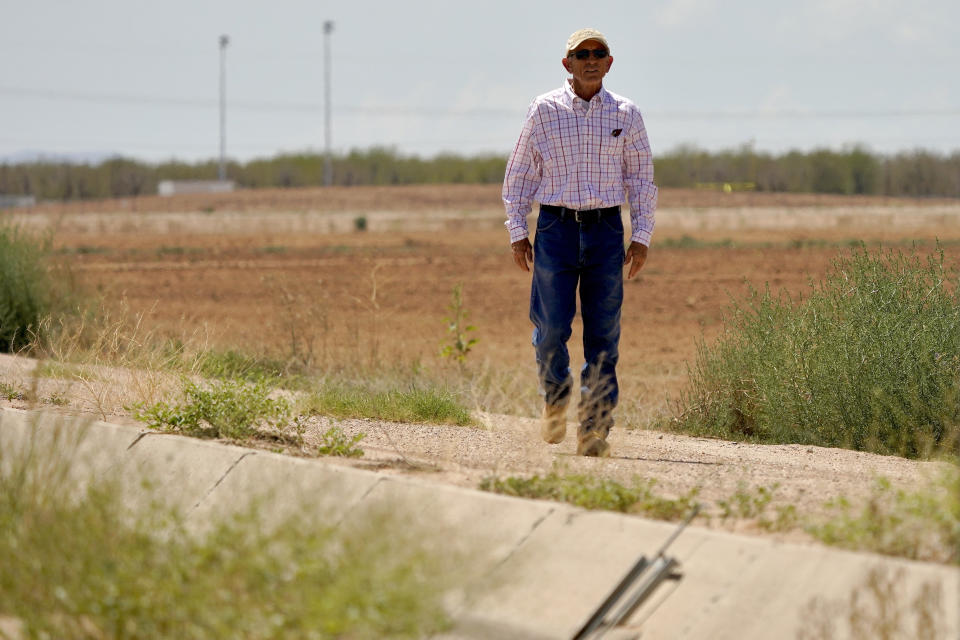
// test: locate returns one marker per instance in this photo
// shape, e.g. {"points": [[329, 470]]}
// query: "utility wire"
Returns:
{"points": [[453, 112]]}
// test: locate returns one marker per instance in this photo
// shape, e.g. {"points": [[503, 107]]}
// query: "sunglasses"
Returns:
{"points": [[583, 54]]}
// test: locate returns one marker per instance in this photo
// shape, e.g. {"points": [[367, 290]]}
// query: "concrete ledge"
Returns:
{"points": [[284, 485], [93, 447], [181, 470], [548, 566], [488, 525]]}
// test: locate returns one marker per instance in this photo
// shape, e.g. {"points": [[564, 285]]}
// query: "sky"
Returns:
{"points": [[141, 79]]}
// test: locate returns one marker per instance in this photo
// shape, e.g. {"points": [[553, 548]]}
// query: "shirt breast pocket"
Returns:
{"points": [[611, 153], [611, 142]]}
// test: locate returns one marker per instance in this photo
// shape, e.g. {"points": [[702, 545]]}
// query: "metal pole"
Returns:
{"points": [[222, 172], [327, 161]]}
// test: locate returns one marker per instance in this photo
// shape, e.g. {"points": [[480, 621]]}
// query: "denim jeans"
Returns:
{"points": [[568, 253]]}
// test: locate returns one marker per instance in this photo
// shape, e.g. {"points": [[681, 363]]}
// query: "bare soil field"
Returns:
{"points": [[258, 281], [289, 273]]}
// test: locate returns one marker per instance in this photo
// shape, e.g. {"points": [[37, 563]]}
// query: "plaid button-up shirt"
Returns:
{"points": [[582, 155]]}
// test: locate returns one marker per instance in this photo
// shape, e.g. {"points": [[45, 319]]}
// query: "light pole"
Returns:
{"points": [[327, 162], [222, 172]]}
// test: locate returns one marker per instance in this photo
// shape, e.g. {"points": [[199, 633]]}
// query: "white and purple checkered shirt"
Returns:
{"points": [[581, 155]]}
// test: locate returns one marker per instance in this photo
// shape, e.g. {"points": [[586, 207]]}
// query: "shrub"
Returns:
{"points": [[228, 409], [870, 360], [26, 287]]}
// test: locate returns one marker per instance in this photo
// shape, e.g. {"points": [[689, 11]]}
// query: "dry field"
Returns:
{"points": [[284, 272]]}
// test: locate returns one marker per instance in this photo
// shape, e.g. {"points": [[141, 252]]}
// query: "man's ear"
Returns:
{"points": [[566, 64], [609, 62]]}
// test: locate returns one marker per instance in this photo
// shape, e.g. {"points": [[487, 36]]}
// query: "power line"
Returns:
{"points": [[454, 112]]}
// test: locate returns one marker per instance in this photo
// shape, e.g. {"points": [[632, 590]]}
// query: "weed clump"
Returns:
{"points": [[26, 286], [227, 409], [870, 360], [232, 364], [920, 525], [590, 492], [416, 404], [335, 442]]}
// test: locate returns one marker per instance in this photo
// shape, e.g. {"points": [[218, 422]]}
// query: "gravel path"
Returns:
{"points": [[802, 476]]}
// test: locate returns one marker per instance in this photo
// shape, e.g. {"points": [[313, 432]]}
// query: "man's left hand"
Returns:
{"points": [[636, 256]]}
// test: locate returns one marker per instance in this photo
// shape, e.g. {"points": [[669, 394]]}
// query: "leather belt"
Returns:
{"points": [[583, 215]]}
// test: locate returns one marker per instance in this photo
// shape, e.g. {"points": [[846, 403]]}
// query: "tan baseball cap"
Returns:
{"points": [[582, 36]]}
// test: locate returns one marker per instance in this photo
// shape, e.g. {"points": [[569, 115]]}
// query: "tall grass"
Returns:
{"points": [[77, 563], [869, 359], [26, 286], [398, 403]]}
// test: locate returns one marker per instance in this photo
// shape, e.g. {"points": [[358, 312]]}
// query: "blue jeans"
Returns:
{"points": [[568, 253]]}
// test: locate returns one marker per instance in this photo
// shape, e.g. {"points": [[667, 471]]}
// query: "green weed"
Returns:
{"points": [[870, 360], [435, 405], [922, 525], [745, 504], [11, 392], [227, 409], [335, 442], [590, 492], [236, 365], [57, 399], [457, 328]]}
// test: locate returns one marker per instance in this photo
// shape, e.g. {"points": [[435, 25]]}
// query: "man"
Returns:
{"points": [[581, 151]]}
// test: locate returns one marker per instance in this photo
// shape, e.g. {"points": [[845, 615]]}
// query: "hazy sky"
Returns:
{"points": [[141, 78]]}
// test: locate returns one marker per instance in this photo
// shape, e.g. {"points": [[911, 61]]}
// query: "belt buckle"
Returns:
{"points": [[578, 217]]}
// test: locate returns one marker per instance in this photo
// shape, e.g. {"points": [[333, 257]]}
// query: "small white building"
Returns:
{"points": [[177, 187], [9, 202]]}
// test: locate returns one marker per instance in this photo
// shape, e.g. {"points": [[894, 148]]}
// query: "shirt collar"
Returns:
{"points": [[571, 96]]}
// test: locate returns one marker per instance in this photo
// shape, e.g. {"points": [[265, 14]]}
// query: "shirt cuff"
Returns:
{"points": [[517, 228], [642, 236]]}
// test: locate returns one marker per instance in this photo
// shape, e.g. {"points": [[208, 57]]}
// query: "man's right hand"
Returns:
{"points": [[522, 253]]}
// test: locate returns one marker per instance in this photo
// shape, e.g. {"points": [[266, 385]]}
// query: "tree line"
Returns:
{"points": [[852, 171]]}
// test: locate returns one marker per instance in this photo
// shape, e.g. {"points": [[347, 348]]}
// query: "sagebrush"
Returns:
{"points": [[869, 360]]}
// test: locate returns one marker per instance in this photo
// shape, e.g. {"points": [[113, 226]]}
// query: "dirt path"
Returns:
{"points": [[798, 475]]}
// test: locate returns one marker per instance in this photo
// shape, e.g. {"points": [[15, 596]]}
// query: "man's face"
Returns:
{"points": [[590, 70]]}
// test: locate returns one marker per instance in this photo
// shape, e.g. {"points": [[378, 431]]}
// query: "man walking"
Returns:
{"points": [[582, 150]]}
